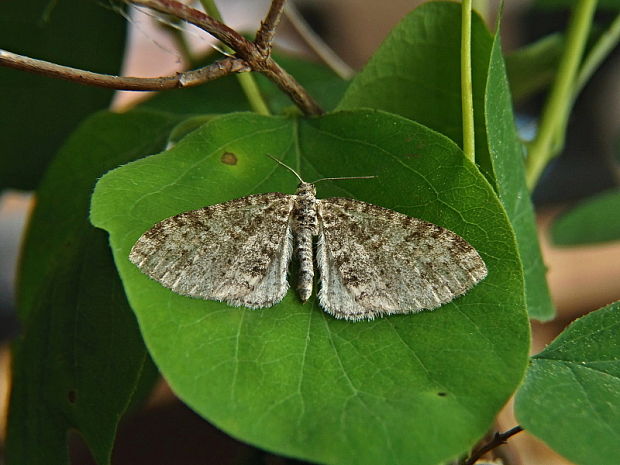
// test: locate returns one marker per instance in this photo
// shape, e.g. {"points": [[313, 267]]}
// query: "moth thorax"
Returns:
{"points": [[304, 214], [306, 190]]}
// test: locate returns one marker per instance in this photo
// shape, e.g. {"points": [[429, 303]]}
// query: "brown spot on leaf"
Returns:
{"points": [[229, 158]]}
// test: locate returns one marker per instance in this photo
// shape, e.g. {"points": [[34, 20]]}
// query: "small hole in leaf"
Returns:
{"points": [[442, 394]]}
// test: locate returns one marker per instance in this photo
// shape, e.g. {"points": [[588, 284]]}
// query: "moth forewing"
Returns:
{"points": [[376, 261], [237, 251]]}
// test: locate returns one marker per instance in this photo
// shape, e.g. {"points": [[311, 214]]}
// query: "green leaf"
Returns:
{"points": [[505, 166], [533, 67], [290, 378], [80, 357], [592, 221], [571, 395], [416, 71], [225, 95], [186, 126], [37, 113]]}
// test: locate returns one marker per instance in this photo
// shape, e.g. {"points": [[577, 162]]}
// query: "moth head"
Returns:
{"points": [[306, 189]]}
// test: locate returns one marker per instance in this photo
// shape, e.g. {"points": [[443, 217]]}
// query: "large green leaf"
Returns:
{"points": [[505, 166], [593, 221], [37, 113], [291, 378], [80, 357], [571, 395]]}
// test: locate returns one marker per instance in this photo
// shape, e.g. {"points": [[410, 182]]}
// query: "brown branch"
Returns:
{"points": [[498, 440], [244, 49], [291, 87], [250, 56], [186, 79], [267, 31]]}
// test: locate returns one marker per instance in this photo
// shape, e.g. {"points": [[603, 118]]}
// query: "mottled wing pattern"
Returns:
{"points": [[237, 252], [374, 261]]}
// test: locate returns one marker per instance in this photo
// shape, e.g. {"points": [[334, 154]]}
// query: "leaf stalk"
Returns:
{"points": [[467, 99], [559, 103]]}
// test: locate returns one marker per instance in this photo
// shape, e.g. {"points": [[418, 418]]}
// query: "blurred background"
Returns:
{"points": [[581, 278]]}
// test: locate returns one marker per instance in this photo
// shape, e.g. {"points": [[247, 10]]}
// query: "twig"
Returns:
{"points": [[249, 57], [316, 44], [186, 79], [244, 49], [267, 31], [498, 440]]}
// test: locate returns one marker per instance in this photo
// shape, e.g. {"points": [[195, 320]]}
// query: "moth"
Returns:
{"points": [[372, 261]]}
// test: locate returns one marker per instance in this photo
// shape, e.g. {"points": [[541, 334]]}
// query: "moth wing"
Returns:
{"points": [[237, 251], [374, 261]]}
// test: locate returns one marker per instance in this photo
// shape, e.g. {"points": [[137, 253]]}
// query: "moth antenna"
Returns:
{"points": [[346, 177], [286, 166], [318, 180]]}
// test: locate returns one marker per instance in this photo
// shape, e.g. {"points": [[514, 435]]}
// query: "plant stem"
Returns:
{"points": [[211, 9], [247, 81], [498, 440], [544, 147], [191, 78], [604, 45], [467, 100], [267, 31]]}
